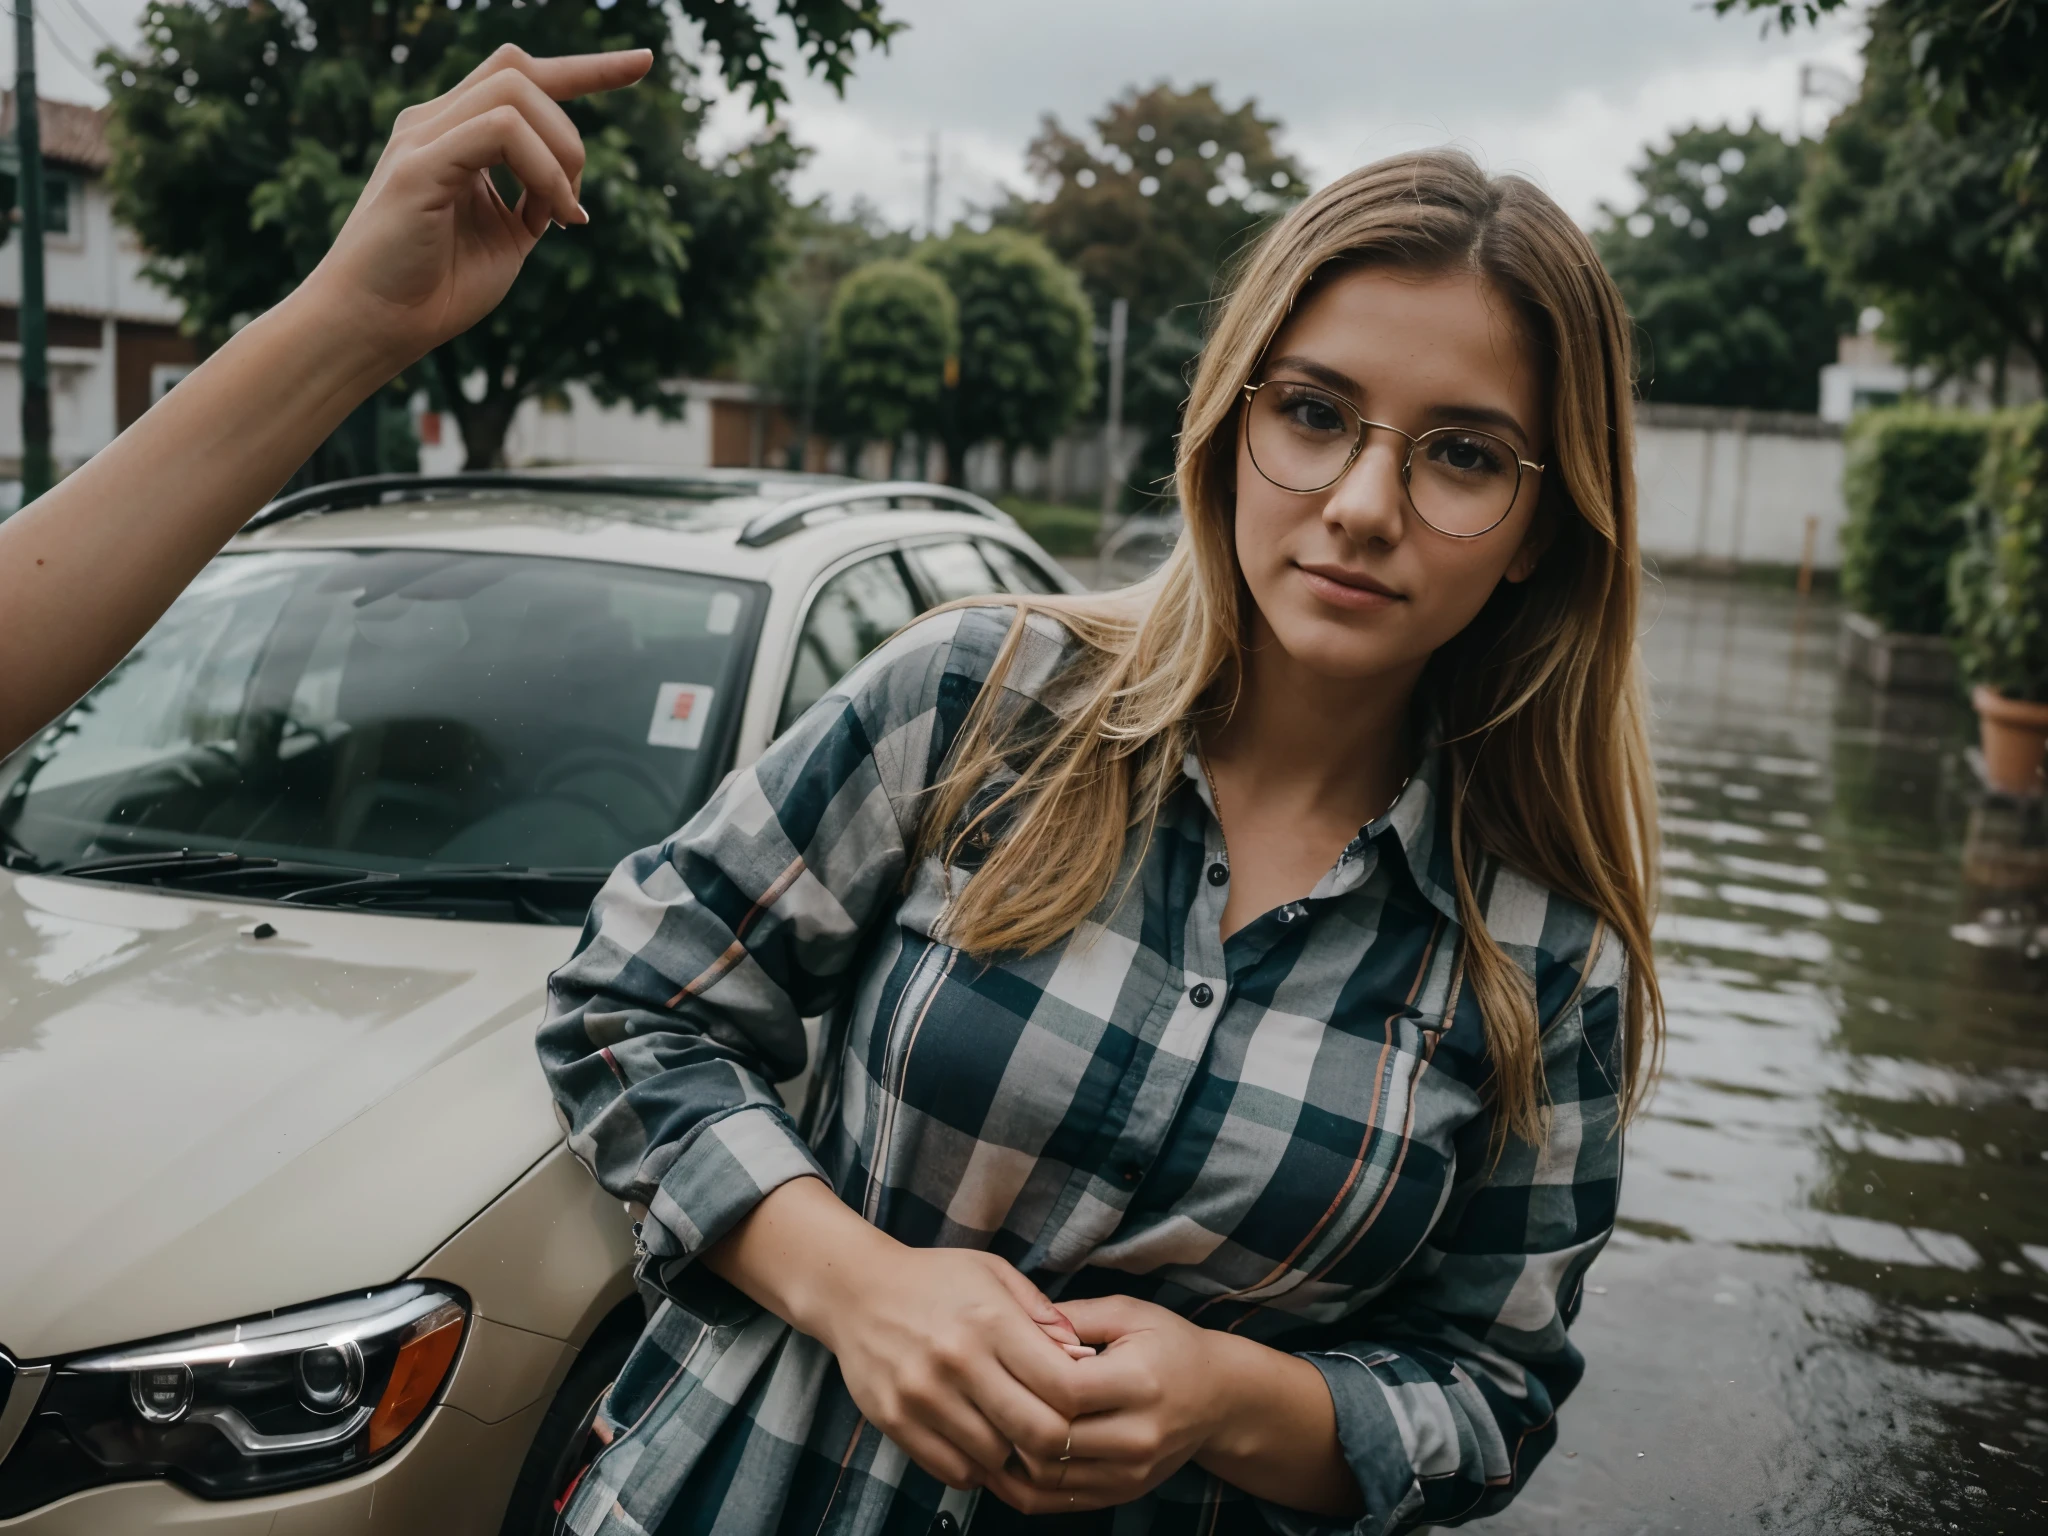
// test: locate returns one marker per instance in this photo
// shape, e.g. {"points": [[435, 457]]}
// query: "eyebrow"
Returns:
{"points": [[1441, 415]]}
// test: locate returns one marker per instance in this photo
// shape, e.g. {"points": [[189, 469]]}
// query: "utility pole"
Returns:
{"points": [[35, 335], [1113, 427], [931, 186]]}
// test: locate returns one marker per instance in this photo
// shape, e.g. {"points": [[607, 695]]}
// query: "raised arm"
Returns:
{"points": [[427, 252]]}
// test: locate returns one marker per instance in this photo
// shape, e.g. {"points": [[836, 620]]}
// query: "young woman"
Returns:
{"points": [[428, 250], [1256, 963]]}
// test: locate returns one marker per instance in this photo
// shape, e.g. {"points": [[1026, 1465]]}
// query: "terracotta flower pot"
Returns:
{"points": [[2014, 734]]}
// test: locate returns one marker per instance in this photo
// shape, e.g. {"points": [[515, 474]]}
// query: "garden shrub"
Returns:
{"points": [[1998, 580], [1910, 470]]}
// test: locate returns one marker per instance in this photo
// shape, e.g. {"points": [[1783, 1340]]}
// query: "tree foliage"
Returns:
{"points": [[1731, 310], [892, 330], [243, 133], [1027, 364], [1998, 583], [1931, 199], [819, 250], [1171, 185]]}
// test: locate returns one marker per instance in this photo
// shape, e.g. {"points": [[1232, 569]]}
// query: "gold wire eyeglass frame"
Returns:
{"points": [[1407, 463]]}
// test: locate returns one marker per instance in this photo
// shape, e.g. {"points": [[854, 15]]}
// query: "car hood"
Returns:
{"points": [[197, 1124]]}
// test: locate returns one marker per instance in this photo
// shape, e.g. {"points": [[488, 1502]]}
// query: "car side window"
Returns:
{"points": [[950, 571], [852, 614], [1019, 572]]}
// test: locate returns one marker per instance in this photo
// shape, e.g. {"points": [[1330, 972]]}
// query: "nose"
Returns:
{"points": [[1370, 504]]}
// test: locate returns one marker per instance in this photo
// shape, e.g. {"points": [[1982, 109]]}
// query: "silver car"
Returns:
{"points": [[289, 1238]]}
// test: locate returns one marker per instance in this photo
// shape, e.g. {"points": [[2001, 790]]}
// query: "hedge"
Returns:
{"points": [[1909, 473], [1998, 580]]}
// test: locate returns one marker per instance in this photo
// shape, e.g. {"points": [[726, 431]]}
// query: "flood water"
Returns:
{"points": [[1827, 1305]]}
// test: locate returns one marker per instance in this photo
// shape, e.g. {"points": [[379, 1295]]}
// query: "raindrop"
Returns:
{"points": [[1084, 177], [400, 53], [1148, 185], [1207, 149], [1165, 155]]}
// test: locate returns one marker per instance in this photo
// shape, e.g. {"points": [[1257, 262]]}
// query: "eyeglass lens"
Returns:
{"points": [[1462, 481]]}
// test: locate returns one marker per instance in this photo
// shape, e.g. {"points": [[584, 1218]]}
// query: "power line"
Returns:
{"points": [[93, 22], [57, 41]]}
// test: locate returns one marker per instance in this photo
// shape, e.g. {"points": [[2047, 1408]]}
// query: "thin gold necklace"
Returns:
{"points": [[1216, 795]]}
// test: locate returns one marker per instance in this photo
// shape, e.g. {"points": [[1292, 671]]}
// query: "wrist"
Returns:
{"points": [[321, 323], [1249, 1401]]}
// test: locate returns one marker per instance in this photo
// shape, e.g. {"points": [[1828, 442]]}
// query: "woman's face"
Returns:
{"points": [[1350, 582]]}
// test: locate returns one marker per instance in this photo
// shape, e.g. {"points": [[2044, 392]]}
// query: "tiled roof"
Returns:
{"points": [[73, 135]]}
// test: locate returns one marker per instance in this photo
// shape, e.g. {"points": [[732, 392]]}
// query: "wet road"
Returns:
{"points": [[1827, 1308]]}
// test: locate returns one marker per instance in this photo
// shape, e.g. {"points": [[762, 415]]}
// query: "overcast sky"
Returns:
{"points": [[1566, 91]]}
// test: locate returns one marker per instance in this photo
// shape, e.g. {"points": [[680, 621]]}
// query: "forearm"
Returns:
{"points": [[88, 567], [1278, 1436], [799, 1253]]}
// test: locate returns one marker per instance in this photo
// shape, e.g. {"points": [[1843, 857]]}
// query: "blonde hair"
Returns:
{"points": [[1538, 702]]}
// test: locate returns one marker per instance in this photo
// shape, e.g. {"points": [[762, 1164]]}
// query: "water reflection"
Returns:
{"points": [[1827, 1308]]}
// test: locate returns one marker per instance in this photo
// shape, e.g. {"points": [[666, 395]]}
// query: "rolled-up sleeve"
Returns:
{"points": [[1446, 1398], [684, 1002]]}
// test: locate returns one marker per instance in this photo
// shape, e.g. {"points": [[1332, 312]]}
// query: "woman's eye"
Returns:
{"points": [[1313, 413], [1469, 455]]}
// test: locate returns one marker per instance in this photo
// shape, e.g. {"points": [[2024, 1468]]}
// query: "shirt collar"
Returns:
{"points": [[1414, 825]]}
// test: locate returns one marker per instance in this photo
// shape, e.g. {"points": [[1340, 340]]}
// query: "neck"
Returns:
{"points": [[1340, 746]]}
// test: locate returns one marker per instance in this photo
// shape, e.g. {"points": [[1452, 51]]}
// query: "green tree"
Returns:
{"points": [[1027, 365], [820, 250], [1931, 196], [243, 133], [1731, 310], [1170, 187], [892, 332]]}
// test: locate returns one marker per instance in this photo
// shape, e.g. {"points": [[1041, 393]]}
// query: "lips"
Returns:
{"points": [[1346, 588]]}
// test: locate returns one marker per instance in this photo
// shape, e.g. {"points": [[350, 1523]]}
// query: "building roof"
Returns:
{"points": [[72, 134]]}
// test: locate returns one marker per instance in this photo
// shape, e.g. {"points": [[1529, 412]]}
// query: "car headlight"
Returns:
{"points": [[252, 1407]]}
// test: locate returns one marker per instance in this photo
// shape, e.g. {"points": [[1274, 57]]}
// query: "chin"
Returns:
{"points": [[1344, 651]]}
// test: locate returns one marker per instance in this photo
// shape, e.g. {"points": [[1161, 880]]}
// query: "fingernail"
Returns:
{"points": [[584, 211]]}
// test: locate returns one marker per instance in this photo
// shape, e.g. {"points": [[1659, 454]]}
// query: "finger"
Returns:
{"points": [[938, 1456], [1113, 1379], [509, 88], [568, 75], [1036, 1304], [1019, 1415], [1032, 1498], [502, 137], [1105, 1319], [1042, 1367]]}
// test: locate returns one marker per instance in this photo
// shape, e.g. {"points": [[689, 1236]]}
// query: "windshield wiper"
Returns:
{"points": [[478, 893], [17, 855], [212, 870]]}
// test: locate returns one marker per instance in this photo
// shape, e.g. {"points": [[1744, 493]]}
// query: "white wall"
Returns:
{"points": [[1738, 487]]}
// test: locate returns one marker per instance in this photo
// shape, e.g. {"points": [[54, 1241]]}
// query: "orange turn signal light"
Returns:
{"points": [[417, 1374]]}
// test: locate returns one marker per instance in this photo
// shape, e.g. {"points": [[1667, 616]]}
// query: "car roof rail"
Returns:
{"points": [[786, 518], [375, 490]]}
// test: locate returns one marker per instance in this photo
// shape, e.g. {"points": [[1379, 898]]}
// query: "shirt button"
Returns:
{"points": [[1200, 995], [945, 1524], [1219, 874]]}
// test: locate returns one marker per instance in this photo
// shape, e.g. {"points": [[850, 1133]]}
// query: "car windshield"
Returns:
{"points": [[397, 712]]}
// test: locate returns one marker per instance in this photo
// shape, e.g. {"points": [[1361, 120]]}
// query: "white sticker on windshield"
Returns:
{"points": [[679, 713], [724, 615]]}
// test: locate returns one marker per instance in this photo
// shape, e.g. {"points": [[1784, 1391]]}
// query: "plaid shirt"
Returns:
{"points": [[1282, 1134]]}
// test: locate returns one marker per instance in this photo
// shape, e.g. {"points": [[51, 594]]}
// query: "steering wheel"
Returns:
{"points": [[607, 757]]}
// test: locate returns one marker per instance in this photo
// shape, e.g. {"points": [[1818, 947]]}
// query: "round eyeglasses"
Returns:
{"points": [[1461, 481]]}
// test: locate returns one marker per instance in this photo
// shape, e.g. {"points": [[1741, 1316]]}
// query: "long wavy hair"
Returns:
{"points": [[1538, 702]]}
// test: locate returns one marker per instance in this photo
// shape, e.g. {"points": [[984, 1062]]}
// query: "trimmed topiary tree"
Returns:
{"points": [[892, 330], [1909, 474]]}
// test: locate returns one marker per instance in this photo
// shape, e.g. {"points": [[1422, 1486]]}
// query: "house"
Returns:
{"points": [[114, 340]]}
